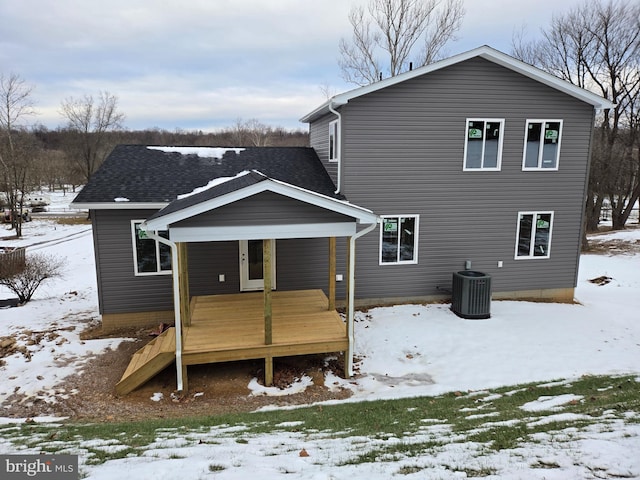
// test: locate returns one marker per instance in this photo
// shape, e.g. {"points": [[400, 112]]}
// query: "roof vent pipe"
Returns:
{"points": [[410, 66], [339, 141]]}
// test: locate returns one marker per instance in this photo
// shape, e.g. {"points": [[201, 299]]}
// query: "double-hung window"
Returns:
{"points": [[542, 144], [483, 144], [334, 147], [533, 239], [399, 239], [149, 256]]}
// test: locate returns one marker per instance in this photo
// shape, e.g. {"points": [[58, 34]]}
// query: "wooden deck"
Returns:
{"points": [[231, 327]]}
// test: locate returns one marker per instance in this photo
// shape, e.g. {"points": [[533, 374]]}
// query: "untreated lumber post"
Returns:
{"points": [[185, 379], [268, 371], [183, 281], [332, 273], [268, 320]]}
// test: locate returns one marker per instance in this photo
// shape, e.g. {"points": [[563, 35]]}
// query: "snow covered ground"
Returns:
{"points": [[403, 351]]}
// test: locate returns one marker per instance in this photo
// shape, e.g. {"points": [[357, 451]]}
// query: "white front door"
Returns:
{"points": [[251, 268]]}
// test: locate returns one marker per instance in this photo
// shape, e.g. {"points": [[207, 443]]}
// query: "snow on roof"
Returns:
{"points": [[206, 152], [212, 183], [120, 199]]}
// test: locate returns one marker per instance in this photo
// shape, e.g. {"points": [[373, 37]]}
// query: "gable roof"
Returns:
{"points": [[244, 185], [484, 52], [138, 176]]}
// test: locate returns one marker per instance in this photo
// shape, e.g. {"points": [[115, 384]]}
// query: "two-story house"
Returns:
{"points": [[477, 161]]}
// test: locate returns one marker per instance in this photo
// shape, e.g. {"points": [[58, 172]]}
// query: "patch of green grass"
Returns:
{"points": [[409, 469], [386, 430], [541, 464], [216, 468]]}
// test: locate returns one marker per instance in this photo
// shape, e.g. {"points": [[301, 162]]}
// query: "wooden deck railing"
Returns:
{"points": [[12, 260]]}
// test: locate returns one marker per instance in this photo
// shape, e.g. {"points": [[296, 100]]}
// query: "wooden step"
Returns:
{"points": [[147, 362]]}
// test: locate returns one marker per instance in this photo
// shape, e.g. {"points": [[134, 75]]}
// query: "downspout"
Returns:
{"points": [[339, 174], [176, 301], [351, 293]]}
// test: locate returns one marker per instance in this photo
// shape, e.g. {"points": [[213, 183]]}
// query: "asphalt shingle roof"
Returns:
{"points": [[149, 175], [237, 183]]}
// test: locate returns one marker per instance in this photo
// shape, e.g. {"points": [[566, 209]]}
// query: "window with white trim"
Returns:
{"points": [[542, 144], [399, 239], [483, 144], [334, 148], [533, 239], [149, 256]]}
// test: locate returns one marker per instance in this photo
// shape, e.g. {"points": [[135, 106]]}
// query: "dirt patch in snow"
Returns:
{"points": [[213, 389], [613, 246]]}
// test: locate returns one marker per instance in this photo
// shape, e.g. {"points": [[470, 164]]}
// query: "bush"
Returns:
{"points": [[38, 268]]}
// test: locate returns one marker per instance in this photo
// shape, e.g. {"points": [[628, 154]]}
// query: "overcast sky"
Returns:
{"points": [[202, 64]]}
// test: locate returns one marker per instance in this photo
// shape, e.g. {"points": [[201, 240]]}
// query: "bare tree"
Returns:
{"points": [[38, 268], [250, 132], [17, 148], [91, 119], [389, 32], [596, 46]]}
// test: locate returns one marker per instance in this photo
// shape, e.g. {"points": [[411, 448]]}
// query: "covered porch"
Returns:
{"points": [[231, 327], [267, 323]]}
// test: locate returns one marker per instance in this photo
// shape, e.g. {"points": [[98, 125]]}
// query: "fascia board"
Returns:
{"points": [[256, 232], [360, 214], [485, 52], [363, 215]]}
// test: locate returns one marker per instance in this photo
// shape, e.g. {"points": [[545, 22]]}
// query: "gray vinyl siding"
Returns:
{"points": [[300, 264], [265, 208], [121, 291], [319, 140], [403, 154]]}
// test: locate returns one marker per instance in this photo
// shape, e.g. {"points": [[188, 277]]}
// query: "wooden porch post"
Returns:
{"points": [[332, 273], [185, 305], [268, 334], [183, 279]]}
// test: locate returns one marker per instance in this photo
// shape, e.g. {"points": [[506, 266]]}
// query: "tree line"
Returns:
{"points": [[36, 157]]}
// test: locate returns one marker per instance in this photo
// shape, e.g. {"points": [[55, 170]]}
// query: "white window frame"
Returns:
{"points": [[539, 167], [531, 256], [135, 254], [415, 240], [498, 166], [334, 147]]}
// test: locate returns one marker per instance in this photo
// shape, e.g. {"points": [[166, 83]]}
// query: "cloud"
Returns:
{"points": [[171, 62], [204, 63]]}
